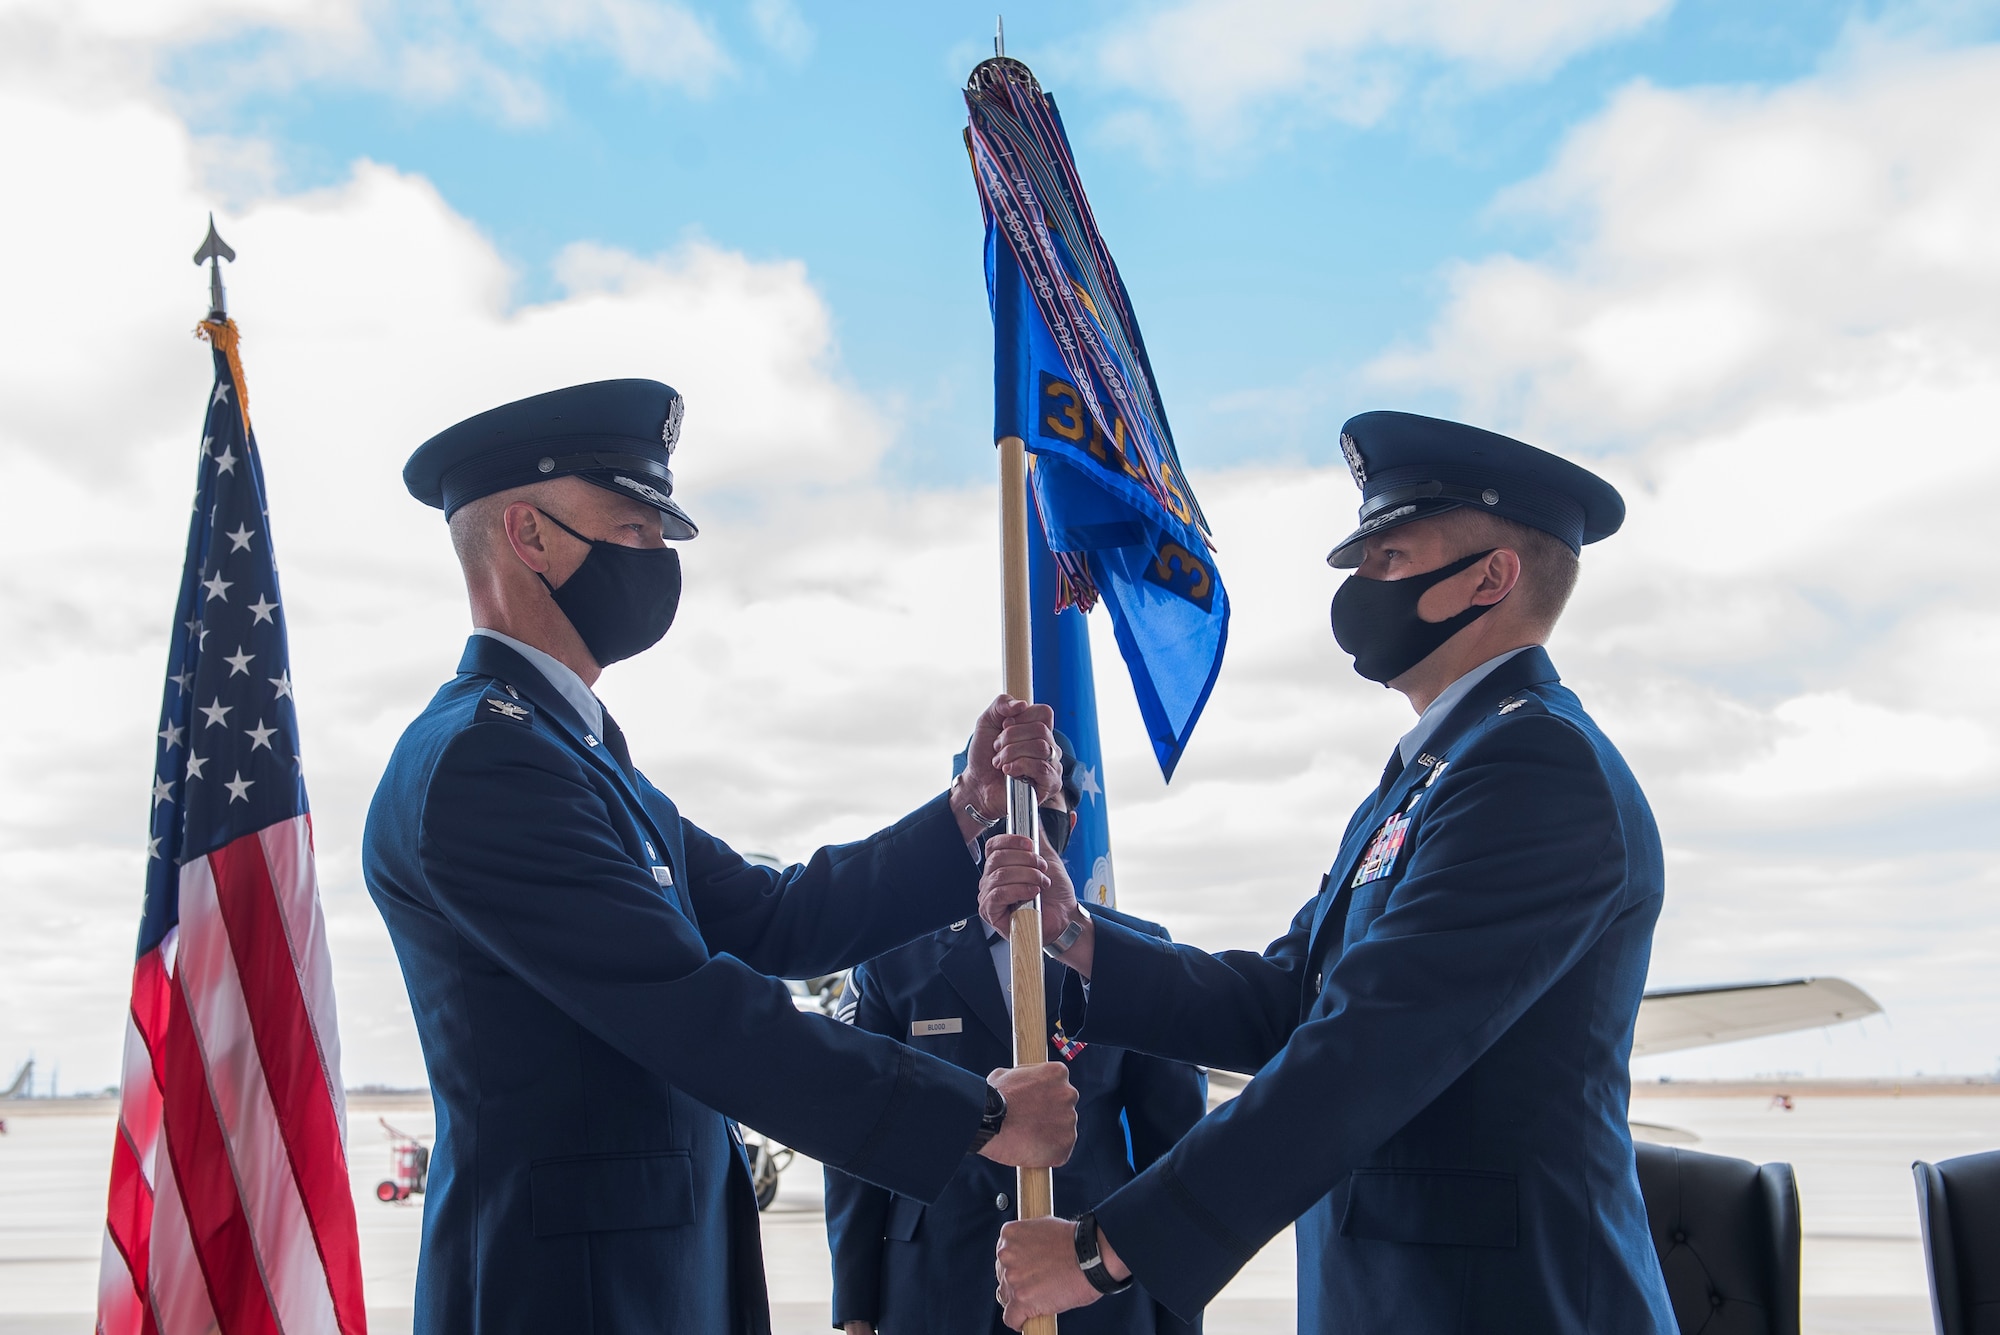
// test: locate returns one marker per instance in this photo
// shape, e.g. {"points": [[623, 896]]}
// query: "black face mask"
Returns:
{"points": [[1055, 826], [1376, 620], [621, 599]]}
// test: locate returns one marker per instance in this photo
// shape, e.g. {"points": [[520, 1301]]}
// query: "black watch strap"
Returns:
{"points": [[1091, 1260], [990, 1121]]}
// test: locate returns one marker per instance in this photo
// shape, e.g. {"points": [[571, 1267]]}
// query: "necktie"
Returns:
{"points": [[614, 742], [1389, 771]]}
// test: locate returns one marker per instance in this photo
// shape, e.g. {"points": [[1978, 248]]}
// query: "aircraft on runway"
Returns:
{"points": [[1672, 1019], [24, 1082]]}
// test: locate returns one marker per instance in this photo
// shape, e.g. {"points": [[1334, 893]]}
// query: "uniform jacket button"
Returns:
{"points": [[1001, 1202]]}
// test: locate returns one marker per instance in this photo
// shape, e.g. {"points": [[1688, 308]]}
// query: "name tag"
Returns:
{"points": [[664, 875], [931, 1028]]}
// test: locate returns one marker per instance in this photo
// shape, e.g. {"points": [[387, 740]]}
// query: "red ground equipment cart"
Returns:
{"points": [[409, 1160]]}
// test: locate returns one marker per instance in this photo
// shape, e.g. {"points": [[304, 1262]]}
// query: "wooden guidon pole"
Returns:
{"points": [[1034, 1189]]}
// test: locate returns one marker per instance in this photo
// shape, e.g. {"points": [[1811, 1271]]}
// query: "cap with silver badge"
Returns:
{"points": [[617, 434], [1410, 467]]}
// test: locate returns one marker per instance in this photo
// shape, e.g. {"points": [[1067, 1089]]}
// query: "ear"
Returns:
{"points": [[1072, 820], [523, 524], [1498, 575]]}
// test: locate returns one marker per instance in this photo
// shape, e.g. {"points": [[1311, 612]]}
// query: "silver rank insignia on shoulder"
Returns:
{"points": [[1512, 703], [507, 709]]}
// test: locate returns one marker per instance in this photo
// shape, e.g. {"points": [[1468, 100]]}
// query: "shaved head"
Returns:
{"points": [[475, 528], [1548, 567]]}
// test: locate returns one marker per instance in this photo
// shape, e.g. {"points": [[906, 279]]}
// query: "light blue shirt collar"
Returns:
{"points": [[1427, 722], [568, 685]]}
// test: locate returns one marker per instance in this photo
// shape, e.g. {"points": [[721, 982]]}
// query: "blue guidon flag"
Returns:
{"points": [[1072, 380], [230, 1206]]}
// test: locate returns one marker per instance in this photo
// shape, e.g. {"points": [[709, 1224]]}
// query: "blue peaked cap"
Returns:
{"points": [[1410, 467], [618, 434]]}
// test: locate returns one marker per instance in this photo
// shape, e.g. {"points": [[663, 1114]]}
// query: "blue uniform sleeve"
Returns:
{"points": [[1163, 1100], [1517, 869], [1232, 1010], [857, 1212], [520, 855], [844, 904]]}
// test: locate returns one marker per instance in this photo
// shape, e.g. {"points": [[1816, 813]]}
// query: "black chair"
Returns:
{"points": [[1959, 1203], [1727, 1234]]}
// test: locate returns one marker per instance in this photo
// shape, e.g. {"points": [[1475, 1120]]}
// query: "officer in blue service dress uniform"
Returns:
{"points": [[589, 969], [902, 1267], [1440, 1039]]}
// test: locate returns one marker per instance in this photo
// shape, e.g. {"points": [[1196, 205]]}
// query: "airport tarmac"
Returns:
{"points": [[1863, 1270]]}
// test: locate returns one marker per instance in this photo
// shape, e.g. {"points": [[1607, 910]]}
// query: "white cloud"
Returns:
{"points": [[1226, 63], [1773, 322], [484, 54], [1791, 641], [1828, 744], [783, 28], [1736, 247], [652, 40], [373, 316]]}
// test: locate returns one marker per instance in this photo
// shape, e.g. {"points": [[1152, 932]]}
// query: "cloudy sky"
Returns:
{"points": [[1744, 260]]}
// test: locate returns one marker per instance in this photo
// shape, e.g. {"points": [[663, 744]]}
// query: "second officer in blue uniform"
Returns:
{"points": [[1441, 1037], [590, 970], [905, 1267]]}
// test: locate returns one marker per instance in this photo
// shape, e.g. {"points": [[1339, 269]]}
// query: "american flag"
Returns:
{"points": [[230, 1207]]}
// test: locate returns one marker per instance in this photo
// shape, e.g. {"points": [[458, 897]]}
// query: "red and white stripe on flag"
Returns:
{"points": [[230, 1204]]}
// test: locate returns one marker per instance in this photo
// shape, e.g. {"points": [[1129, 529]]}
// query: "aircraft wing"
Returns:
{"points": [[1673, 1018], [1691, 1017]]}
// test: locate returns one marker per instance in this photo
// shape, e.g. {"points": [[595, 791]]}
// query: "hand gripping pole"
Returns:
{"points": [[1035, 1187]]}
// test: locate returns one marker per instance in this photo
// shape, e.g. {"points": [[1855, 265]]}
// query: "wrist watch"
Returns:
{"points": [[979, 818], [1056, 948], [990, 1121], [1091, 1261]]}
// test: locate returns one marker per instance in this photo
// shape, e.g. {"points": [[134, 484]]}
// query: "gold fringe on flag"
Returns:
{"points": [[223, 336]]}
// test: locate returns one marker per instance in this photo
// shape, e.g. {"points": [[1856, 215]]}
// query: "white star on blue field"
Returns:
{"points": [[1740, 258]]}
